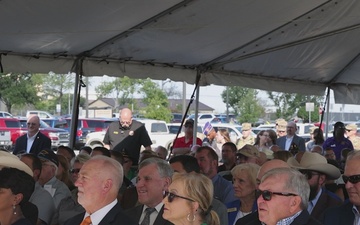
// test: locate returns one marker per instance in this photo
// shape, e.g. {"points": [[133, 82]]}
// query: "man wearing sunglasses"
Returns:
{"points": [[348, 213], [34, 141], [317, 171], [284, 202], [127, 134]]}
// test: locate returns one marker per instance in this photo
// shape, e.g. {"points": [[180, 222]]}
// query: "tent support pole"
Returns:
{"points": [[76, 101]]}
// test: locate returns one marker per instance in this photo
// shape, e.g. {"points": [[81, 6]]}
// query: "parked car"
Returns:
{"points": [[220, 119], [88, 125], [57, 122], [203, 117], [176, 117], [14, 126], [57, 136], [40, 114], [5, 114], [157, 130]]}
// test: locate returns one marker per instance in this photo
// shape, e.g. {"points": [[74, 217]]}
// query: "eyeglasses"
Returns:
{"points": [[308, 174], [31, 124], [281, 131], [171, 196], [267, 195], [353, 179], [125, 122], [72, 171]]}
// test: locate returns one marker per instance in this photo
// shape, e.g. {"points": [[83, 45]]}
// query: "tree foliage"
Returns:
{"points": [[54, 87], [18, 89], [290, 105], [157, 104], [123, 88], [244, 102]]}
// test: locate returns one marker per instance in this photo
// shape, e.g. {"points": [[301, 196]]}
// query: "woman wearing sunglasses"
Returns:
{"points": [[188, 201]]}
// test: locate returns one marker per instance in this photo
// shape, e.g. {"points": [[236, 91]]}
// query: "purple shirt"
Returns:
{"points": [[337, 146]]}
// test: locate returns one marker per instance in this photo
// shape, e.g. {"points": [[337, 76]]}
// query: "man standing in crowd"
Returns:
{"points": [[247, 138], [351, 133], [182, 145], [338, 142], [228, 152], [280, 127], [291, 142], [34, 141], [99, 182], [127, 134]]}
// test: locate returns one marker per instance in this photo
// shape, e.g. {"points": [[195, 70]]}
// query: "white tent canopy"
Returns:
{"points": [[279, 45]]}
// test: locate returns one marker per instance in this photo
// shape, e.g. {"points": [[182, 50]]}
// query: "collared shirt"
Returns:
{"points": [[313, 202], [97, 216], [152, 215], [357, 215], [288, 220], [30, 141], [288, 142]]}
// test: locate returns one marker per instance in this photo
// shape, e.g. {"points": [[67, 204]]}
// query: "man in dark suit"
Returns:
{"points": [[99, 182], [153, 179], [34, 141], [291, 142], [316, 169], [345, 214]]}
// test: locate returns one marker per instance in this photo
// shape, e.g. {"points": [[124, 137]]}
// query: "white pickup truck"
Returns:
{"points": [[157, 130]]}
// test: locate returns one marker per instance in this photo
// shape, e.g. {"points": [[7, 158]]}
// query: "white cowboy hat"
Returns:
{"points": [[9, 160], [315, 162]]}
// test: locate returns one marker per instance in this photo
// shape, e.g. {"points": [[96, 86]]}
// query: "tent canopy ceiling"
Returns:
{"points": [[279, 45]]}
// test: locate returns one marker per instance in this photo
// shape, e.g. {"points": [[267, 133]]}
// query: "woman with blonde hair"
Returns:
{"points": [[244, 183], [188, 200]]}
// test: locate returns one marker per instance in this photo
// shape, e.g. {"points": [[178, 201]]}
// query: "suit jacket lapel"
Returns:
{"points": [[110, 216]]}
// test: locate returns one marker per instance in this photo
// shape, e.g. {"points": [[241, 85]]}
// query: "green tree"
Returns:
{"points": [[124, 89], [54, 88], [292, 105], [157, 104], [245, 103], [18, 89]]}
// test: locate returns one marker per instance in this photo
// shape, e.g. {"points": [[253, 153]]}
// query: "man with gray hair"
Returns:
{"points": [[99, 181], [283, 198], [153, 179]]}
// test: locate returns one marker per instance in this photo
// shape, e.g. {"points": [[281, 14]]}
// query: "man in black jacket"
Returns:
{"points": [[99, 182], [34, 141]]}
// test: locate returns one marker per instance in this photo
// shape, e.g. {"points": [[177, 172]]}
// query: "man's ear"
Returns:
{"points": [[167, 183], [295, 204]]}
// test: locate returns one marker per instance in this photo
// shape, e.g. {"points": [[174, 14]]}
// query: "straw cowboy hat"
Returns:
{"points": [[315, 162], [9, 160]]}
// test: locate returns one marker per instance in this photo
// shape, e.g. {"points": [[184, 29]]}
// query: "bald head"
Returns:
{"points": [[269, 165], [125, 117]]}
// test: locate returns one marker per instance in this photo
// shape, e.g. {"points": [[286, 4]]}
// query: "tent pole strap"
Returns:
{"points": [[198, 76]]}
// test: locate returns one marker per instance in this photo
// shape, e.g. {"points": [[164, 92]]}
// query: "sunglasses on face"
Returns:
{"points": [[308, 174], [353, 179], [267, 195], [125, 122], [171, 196], [72, 171]]}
